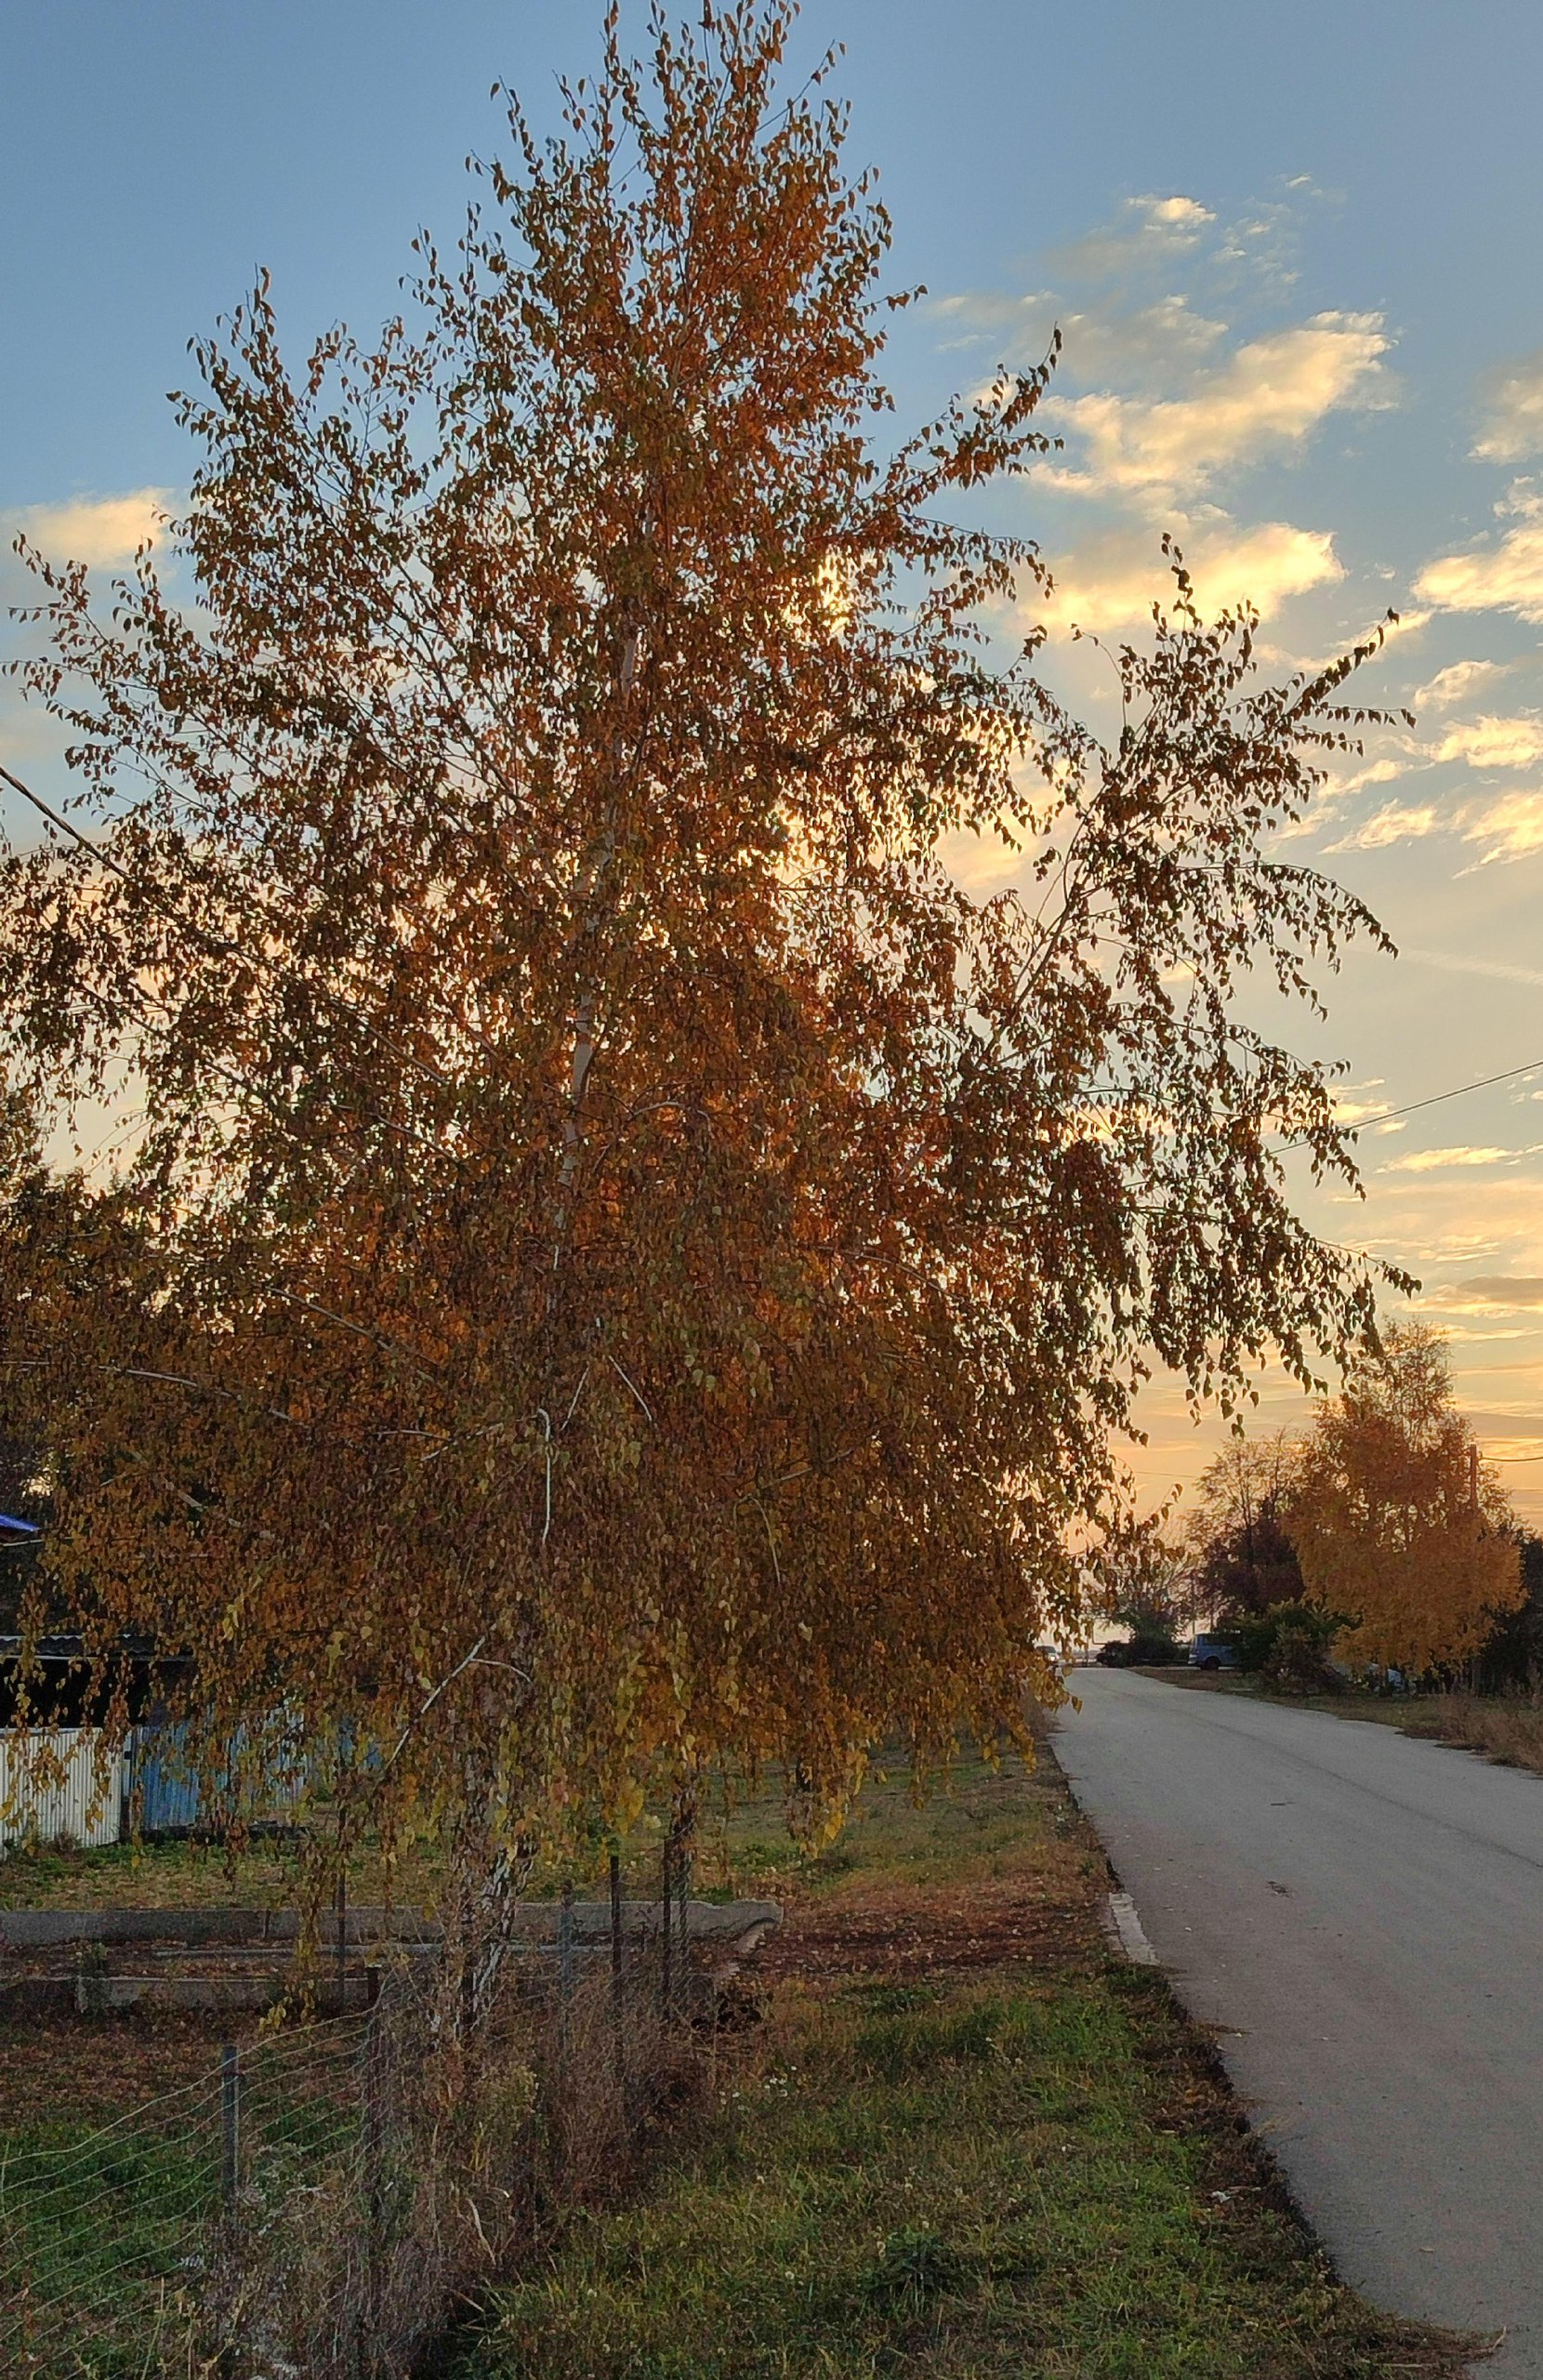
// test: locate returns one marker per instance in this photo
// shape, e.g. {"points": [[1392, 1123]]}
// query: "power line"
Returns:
{"points": [[1461, 1091]]}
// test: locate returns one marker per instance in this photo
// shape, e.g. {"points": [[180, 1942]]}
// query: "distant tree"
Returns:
{"points": [[628, 1268], [1396, 1518], [1512, 1655], [1143, 1581], [1241, 1555]]}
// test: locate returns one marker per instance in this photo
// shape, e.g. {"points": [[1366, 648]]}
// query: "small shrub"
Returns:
{"points": [[1288, 1646]]}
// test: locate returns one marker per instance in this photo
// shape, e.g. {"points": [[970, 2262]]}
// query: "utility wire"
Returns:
{"points": [[1461, 1091]]}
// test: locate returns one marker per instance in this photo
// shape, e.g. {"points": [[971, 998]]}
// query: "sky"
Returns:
{"points": [[1297, 260]]}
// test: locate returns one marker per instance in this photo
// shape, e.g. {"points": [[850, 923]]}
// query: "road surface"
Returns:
{"points": [[1364, 1916]]}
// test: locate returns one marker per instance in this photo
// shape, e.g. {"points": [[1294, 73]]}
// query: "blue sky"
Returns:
{"points": [[1297, 257]]}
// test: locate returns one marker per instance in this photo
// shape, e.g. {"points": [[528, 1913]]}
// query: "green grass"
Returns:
{"points": [[95, 2233], [154, 1875], [987, 2185], [106, 2233], [742, 1849], [1028, 2169]]}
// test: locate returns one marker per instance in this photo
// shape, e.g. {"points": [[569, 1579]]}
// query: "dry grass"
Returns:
{"points": [[1507, 1729]]}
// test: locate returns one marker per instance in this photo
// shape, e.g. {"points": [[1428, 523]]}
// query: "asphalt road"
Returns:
{"points": [[1364, 1916]]}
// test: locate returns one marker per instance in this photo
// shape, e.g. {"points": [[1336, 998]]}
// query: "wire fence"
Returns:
{"points": [[314, 2205]]}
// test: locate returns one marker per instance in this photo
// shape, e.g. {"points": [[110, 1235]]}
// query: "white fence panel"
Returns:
{"points": [[78, 1796]]}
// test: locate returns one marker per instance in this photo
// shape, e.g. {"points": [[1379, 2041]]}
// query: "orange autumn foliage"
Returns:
{"points": [[1396, 1519], [626, 1269]]}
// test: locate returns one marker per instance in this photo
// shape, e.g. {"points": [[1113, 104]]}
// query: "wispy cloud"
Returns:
{"points": [[1503, 575], [1511, 426], [1113, 581], [1266, 399], [1491, 743], [1351, 1108], [1506, 1289], [101, 531], [1148, 231], [1509, 828], [1457, 683], [1428, 1160], [1394, 823], [1375, 773], [1103, 341], [1453, 962]]}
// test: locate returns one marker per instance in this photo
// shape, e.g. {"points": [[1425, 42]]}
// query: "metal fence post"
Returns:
{"points": [[665, 1881], [619, 2038], [373, 2113], [682, 1929], [564, 1964], [230, 2123]]}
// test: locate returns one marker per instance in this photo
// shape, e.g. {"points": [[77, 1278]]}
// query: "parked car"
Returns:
{"points": [[1213, 1653]]}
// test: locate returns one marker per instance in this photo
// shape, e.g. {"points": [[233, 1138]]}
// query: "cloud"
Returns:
{"points": [[1183, 217], [1513, 425], [1490, 742], [1114, 581], [1396, 823], [979, 864], [1511, 827], [1349, 1109], [1108, 339], [1507, 577], [98, 530], [1508, 827], [1501, 1288], [1427, 1161], [1148, 231], [1451, 963], [1335, 792], [1269, 396], [1455, 683], [1375, 773]]}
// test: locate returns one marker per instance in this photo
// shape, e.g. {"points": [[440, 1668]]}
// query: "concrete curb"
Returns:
{"points": [[1127, 1933]]}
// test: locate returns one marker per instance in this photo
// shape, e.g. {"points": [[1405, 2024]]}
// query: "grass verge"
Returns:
{"points": [[1507, 1729], [966, 2142]]}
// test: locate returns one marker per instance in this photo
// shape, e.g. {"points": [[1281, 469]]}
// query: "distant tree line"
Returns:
{"points": [[1379, 1542]]}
